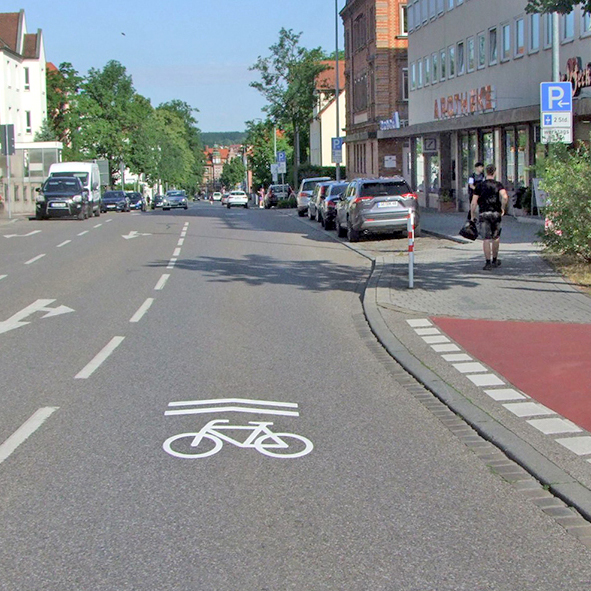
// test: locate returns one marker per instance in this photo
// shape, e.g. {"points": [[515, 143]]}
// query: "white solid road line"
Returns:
{"points": [[243, 405], [142, 310], [82, 233], [102, 356], [162, 282], [25, 431], [34, 259], [64, 243], [177, 252]]}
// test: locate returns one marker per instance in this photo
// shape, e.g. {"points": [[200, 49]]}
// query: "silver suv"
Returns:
{"points": [[306, 189], [376, 206]]}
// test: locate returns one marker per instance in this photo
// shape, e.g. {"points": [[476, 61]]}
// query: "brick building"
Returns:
{"points": [[376, 85]]}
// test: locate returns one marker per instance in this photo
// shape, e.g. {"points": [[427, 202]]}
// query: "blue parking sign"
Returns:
{"points": [[556, 97], [281, 157]]}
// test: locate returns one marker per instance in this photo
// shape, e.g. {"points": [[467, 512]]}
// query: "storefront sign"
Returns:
{"points": [[478, 100], [578, 76]]}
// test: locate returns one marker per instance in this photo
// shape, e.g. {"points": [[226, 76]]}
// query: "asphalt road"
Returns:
{"points": [[254, 311]]}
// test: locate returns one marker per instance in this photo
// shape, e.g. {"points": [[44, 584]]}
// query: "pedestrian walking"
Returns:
{"points": [[476, 177], [491, 198]]}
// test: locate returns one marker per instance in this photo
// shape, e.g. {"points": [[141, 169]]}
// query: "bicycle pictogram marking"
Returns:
{"points": [[210, 440]]}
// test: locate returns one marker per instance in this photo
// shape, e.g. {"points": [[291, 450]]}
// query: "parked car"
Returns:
{"points": [[115, 201], [316, 199], [157, 201], [136, 201], [175, 200], [237, 198], [328, 206], [275, 193], [376, 206], [89, 175], [305, 192], [217, 196], [225, 198], [63, 197]]}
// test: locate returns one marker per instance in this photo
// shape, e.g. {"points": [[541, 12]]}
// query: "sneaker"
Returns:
{"points": [[496, 263], [488, 266]]}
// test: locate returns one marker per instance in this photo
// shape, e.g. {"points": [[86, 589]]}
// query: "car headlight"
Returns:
{"points": [[40, 198], [77, 198]]}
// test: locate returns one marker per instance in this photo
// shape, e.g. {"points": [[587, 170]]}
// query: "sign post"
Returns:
{"points": [[282, 165], [556, 112], [410, 224], [8, 149], [337, 150]]}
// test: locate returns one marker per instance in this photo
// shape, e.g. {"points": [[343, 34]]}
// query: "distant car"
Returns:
{"points": [[136, 201], [239, 198], [115, 201], [63, 197], [306, 189], [328, 206], [372, 206], [217, 196], [275, 193], [225, 198], [316, 200], [175, 200], [157, 201]]}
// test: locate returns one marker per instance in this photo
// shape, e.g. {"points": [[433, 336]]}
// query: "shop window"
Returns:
{"points": [[471, 58], [568, 26], [522, 180], [460, 59], [433, 168], [492, 47], [481, 50], [451, 53], [534, 32], [420, 165], [435, 68], [519, 37], [505, 42], [510, 159], [488, 148], [443, 63]]}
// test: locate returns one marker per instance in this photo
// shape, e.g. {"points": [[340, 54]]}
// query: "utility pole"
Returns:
{"points": [[555, 47], [337, 85]]}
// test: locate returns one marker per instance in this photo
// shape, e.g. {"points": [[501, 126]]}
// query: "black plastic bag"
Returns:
{"points": [[469, 230]]}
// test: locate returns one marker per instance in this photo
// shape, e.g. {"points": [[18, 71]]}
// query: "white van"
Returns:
{"points": [[89, 175]]}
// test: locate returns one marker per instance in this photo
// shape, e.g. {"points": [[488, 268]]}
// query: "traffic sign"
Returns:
{"points": [[337, 150], [556, 97], [275, 172], [281, 157], [557, 119], [7, 146], [281, 162], [556, 135]]}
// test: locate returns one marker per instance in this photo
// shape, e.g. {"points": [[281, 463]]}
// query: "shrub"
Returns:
{"points": [[566, 177], [287, 203]]}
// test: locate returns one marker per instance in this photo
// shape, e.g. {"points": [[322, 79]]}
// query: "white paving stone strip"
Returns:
{"points": [[34, 259], [162, 282], [420, 322], [445, 348], [436, 340], [425, 332], [63, 243], [528, 409], [505, 394], [474, 367], [455, 357], [579, 445], [485, 379], [554, 426]]}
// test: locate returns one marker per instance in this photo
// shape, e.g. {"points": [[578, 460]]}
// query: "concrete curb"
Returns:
{"points": [[560, 483]]}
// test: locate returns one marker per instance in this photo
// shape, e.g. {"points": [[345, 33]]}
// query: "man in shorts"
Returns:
{"points": [[491, 199]]}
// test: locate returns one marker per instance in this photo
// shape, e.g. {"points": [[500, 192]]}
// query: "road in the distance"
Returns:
{"points": [[261, 311]]}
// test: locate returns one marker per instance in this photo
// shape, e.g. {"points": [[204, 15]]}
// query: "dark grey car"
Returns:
{"points": [[376, 206], [327, 210]]}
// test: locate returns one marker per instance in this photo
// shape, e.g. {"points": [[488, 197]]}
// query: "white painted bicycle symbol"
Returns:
{"points": [[211, 438]]}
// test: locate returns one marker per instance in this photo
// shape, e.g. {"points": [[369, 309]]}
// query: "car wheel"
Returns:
{"points": [[301, 213], [229, 206], [352, 235], [246, 206], [39, 216], [187, 207], [81, 214]]}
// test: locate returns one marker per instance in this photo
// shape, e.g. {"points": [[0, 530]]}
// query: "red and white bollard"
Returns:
{"points": [[410, 224]]}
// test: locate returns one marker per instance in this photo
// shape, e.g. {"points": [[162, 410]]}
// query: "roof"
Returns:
{"points": [[327, 79], [9, 25], [30, 49]]}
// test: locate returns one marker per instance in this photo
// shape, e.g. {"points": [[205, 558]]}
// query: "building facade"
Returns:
{"points": [[324, 124], [376, 85], [475, 69]]}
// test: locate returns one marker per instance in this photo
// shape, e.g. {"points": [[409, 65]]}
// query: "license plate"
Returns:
{"points": [[58, 205], [110, 206], [388, 204]]}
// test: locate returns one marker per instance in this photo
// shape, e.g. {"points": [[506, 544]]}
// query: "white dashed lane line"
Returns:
{"points": [[82, 233], [181, 242], [171, 263], [25, 431], [142, 310], [162, 282], [97, 226], [177, 252], [64, 243], [100, 358], [34, 259], [3, 277]]}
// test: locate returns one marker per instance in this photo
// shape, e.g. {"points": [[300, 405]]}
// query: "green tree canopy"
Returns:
{"points": [[233, 173], [560, 6]]}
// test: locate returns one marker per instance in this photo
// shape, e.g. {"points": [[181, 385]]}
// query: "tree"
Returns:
{"points": [[46, 133], [560, 6], [287, 82], [233, 173]]}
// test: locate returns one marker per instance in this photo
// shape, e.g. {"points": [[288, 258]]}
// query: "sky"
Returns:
{"points": [[197, 51]]}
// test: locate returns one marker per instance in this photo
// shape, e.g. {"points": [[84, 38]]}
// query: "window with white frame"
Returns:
{"points": [[435, 67], [420, 74], [568, 26], [505, 42], [534, 32], [427, 71], [451, 55], [548, 30], [450, 4], [493, 50], [471, 54], [27, 79], [424, 11], [585, 23], [481, 50], [460, 59], [519, 37], [440, 6], [28, 128], [432, 8], [404, 88], [416, 18], [443, 64], [404, 25], [413, 76]]}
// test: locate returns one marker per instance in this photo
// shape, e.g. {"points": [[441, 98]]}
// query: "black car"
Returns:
{"points": [[63, 197], [115, 201], [157, 201], [136, 201]]}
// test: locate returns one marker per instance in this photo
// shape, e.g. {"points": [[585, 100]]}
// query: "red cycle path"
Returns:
{"points": [[550, 362]]}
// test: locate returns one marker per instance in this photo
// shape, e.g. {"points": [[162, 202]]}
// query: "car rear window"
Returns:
{"points": [[381, 189], [310, 185], [338, 189]]}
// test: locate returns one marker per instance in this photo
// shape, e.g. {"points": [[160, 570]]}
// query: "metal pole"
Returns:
{"points": [[8, 200], [337, 85], [275, 142], [555, 47], [411, 249]]}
